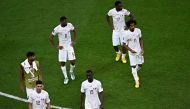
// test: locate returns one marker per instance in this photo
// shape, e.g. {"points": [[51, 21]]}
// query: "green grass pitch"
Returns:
{"points": [[26, 24]]}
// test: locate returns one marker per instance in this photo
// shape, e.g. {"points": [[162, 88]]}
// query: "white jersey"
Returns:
{"points": [[118, 18], [132, 40], [39, 100], [64, 34], [91, 91]]}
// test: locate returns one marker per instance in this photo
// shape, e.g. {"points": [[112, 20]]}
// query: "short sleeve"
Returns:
{"points": [[30, 99], [100, 88], [82, 88], [47, 98], [72, 27], [110, 13], [54, 32], [126, 12], [140, 34]]}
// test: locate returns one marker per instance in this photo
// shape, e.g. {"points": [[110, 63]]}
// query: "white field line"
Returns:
{"points": [[25, 100]]}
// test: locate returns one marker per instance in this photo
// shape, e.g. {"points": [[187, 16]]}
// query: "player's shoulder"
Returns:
{"points": [[124, 9], [128, 32], [69, 24], [36, 61], [97, 81], [85, 82], [138, 29], [32, 93], [112, 10], [57, 27], [44, 92], [23, 62]]}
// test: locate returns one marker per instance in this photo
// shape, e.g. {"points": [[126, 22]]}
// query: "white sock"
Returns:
{"points": [[118, 52], [64, 71], [72, 68], [135, 75], [123, 55]]}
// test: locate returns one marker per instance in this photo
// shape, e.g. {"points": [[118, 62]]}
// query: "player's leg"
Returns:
{"points": [[72, 66], [116, 43], [72, 58], [122, 40], [133, 63], [139, 66], [63, 60], [140, 61]]}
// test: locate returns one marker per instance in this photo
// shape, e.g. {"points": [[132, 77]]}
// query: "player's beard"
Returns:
{"points": [[63, 25], [132, 29]]}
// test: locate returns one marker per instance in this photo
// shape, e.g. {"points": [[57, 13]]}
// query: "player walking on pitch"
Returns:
{"points": [[119, 28], [39, 98], [65, 47], [91, 93], [135, 47], [29, 73]]}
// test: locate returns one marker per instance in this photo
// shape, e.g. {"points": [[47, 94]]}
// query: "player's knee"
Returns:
{"points": [[140, 65], [133, 66], [116, 48], [72, 62], [123, 49], [62, 64]]}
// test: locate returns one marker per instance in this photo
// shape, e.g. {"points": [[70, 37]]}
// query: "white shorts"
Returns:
{"points": [[118, 37], [89, 107], [65, 55], [136, 59], [29, 91]]}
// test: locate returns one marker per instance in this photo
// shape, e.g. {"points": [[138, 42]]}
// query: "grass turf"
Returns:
{"points": [[26, 25]]}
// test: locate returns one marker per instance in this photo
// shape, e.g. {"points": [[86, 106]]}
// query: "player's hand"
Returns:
{"points": [[112, 28], [126, 28], [101, 107], [132, 51], [72, 43], [59, 47], [142, 52]]}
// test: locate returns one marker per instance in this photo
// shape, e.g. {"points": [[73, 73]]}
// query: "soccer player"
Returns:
{"points": [[29, 73], [39, 98], [135, 47], [119, 28], [65, 47], [91, 93]]}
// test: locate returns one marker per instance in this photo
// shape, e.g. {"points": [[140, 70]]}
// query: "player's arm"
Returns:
{"points": [[101, 99], [40, 72], [49, 105], [142, 45], [30, 106], [75, 36], [82, 99], [22, 78], [131, 16], [51, 39], [128, 48], [110, 23]]}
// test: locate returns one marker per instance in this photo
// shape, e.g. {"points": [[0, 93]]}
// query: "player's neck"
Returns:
{"points": [[30, 62], [118, 9], [91, 81], [63, 25], [132, 30], [38, 91]]}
